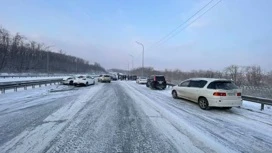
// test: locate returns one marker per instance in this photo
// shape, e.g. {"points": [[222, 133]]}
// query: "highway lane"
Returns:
{"points": [[123, 116]]}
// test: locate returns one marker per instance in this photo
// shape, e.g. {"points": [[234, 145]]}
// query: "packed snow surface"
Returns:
{"points": [[123, 116]]}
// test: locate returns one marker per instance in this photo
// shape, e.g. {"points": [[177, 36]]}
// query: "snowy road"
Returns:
{"points": [[125, 117]]}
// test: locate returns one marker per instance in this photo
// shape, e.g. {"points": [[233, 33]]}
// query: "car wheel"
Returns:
{"points": [[203, 103], [174, 94], [94, 83], [71, 83], [87, 83], [147, 85]]}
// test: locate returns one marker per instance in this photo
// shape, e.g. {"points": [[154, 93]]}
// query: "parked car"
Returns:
{"points": [[99, 78], [209, 92], [84, 80], [105, 78], [156, 82], [68, 80], [113, 77], [141, 80]]}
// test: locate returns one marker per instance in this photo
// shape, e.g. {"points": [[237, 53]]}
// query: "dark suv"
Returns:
{"points": [[156, 82]]}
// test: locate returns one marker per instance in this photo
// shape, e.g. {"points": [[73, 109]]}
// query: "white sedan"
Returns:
{"points": [[142, 80], [84, 80], [68, 80], [208, 92]]}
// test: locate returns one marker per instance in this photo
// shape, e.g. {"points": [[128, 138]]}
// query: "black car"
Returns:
{"points": [[156, 82]]}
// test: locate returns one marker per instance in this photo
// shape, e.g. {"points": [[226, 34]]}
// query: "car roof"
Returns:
{"points": [[210, 79]]}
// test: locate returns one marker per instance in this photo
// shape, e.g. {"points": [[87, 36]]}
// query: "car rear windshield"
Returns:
{"points": [[106, 76], [224, 85], [80, 77], [160, 78]]}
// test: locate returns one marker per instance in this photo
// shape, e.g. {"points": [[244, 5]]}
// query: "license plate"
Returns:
{"points": [[231, 94]]}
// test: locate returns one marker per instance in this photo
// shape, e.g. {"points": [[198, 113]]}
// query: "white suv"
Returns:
{"points": [[84, 80], [208, 92]]}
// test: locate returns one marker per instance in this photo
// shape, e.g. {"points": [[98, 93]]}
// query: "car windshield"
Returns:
{"points": [[134, 76], [224, 85]]}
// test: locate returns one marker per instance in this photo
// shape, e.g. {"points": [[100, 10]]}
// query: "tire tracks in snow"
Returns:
{"points": [[228, 130]]}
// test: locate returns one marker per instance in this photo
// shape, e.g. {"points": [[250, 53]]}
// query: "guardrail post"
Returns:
{"points": [[40, 85], [262, 106], [15, 89], [45, 84], [33, 86], [25, 87], [3, 90]]}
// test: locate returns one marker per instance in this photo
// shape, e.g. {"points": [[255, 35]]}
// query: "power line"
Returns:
{"points": [[191, 22], [169, 34]]}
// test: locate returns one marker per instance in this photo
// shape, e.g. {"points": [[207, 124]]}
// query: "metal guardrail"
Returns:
{"points": [[28, 76], [24, 84], [260, 100]]}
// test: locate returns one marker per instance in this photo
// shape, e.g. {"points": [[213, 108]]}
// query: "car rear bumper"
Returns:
{"points": [[142, 82], [225, 103]]}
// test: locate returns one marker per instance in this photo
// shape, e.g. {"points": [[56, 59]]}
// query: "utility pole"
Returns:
{"points": [[142, 57]]}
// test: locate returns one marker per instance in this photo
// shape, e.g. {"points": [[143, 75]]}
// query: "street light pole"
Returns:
{"points": [[142, 57]]}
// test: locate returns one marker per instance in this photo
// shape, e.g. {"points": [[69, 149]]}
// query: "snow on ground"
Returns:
{"points": [[28, 78], [36, 139], [123, 116], [245, 130]]}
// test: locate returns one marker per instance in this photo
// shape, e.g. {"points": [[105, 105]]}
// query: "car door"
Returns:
{"points": [[182, 89], [195, 89], [89, 80]]}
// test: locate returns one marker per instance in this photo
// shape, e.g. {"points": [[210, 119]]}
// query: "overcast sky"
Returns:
{"points": [[104, 31]]}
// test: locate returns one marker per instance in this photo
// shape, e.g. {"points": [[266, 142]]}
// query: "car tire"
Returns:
{"points": [[203, 103], [174, 94], [147, 85], [87, 83], [71, 83]]}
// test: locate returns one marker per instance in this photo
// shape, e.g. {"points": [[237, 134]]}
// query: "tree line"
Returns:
{"points": [[17, 55], [241, 75]]}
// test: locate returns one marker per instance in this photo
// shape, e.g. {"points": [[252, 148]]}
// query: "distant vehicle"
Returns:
{"points": [[105, 78], [113, 77], [209, 92], [141, 80], [84, 80], [68, 80], [156, 82], [99, 78]]}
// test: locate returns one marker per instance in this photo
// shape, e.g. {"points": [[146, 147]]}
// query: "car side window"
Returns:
{"points": [[184, 84], [197, 83]]}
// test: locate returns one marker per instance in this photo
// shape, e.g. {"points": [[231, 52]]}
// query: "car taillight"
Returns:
{"points": [[219, 94], [154, 78], [239, 94]]}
